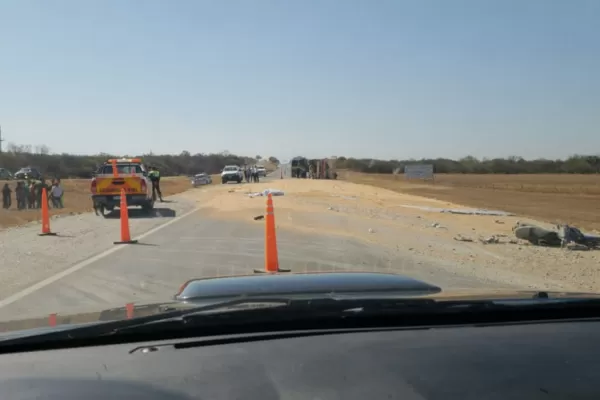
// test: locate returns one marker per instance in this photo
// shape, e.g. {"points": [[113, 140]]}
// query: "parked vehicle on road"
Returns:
{"points": [[125, 173], [262, 171], [28, 172], [201, 179], [5, 174], [232, 173]]}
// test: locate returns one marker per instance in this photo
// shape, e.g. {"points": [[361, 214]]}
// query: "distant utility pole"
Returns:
{"points": [[1, 140]]}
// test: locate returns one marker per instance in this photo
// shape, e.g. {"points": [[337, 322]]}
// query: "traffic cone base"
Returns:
{"points": [[48, 234], [260, 271], [127, 242]]}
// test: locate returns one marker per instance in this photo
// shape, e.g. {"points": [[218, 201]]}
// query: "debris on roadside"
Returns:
{"points": [[490, 240], [494, 239], [462, 238], [576, 246], [463, 211], [273, 192], [259, 217], [344, 197], [563, 236]]}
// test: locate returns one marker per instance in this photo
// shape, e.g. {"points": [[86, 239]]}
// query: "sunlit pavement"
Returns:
{"points": [[196, 247]]}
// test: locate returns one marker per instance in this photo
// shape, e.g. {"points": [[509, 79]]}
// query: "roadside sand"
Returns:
{"points": [[376, 215]]}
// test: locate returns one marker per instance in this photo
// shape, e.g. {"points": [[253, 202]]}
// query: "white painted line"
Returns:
{"points": [[31, 289]]}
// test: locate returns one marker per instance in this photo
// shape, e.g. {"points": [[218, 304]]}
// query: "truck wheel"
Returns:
{"points": [[223, 181]]}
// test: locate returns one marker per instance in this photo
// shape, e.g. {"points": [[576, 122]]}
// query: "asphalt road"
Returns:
{"points": [[194, 246]]}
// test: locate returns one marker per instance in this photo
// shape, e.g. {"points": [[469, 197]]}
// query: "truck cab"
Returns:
{"points": [[124, 173]]}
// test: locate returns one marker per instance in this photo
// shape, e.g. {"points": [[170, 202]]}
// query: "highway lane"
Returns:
{"points": [[195, 247]]}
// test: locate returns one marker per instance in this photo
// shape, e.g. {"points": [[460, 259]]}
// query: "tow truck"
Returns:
{"points": [[123, 173]]}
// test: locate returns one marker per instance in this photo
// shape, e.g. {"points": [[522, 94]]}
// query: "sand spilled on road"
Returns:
{"points": [[376, 215]]}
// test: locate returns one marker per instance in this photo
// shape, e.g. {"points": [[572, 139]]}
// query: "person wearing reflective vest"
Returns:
{"points": [[154, 176]]}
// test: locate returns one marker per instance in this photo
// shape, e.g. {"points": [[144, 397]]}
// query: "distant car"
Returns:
{"points": [[5, 174], [261, 171], [28, 172], [232, 173], [201, 179]]}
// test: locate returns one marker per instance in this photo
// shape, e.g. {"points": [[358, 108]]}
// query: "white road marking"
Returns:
{"points": [[31, 289]]}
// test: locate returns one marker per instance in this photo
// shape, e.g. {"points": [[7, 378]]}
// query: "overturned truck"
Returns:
{"points": [[314, 168]]}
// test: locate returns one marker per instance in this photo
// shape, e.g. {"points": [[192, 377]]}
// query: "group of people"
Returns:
{"points": [[250, 174], [28, 194]]}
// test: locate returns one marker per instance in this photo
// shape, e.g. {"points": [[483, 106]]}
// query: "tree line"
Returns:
{"points": [[577, 164], [65, 165]]}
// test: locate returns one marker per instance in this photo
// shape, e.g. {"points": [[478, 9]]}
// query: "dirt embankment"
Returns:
{"points": [[402, 223]]}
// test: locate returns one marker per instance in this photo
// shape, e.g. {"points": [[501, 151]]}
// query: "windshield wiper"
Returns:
{"points": [[232, 312], [261, 314]]}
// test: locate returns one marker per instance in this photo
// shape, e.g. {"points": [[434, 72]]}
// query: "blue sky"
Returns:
{"points": [[373, 79]]}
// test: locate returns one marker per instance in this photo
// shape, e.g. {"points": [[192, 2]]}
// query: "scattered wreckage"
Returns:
{"points": [[562, 236]]}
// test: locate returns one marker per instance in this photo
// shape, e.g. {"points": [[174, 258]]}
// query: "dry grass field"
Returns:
{"points": [[573, 199], [77, 200]]}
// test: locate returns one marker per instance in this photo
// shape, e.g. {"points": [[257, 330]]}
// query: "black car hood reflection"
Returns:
{"points": [[342, 283]]}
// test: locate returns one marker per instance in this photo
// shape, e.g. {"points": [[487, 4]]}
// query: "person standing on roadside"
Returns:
{"points": [[38, 185], [6, 192], [31, 199], [56, 193], [154, 176], [19, 195]]}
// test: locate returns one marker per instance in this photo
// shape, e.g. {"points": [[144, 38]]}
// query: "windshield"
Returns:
{"points": [[453, 144], [121, 169]]}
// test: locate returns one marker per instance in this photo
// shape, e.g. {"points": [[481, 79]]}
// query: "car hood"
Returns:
{"points": [[342, 285]]}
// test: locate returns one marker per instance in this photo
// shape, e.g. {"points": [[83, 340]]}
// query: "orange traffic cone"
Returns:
{"points": [[125, 236], [45, 216], [130, 309], [271, 256]]}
